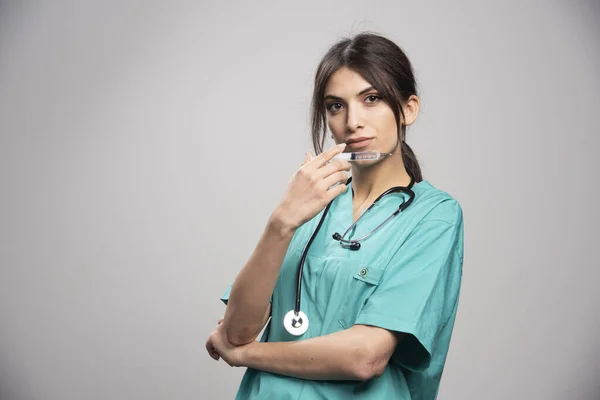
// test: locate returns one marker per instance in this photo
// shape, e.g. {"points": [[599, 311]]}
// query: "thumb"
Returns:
{"points": [[307, 158]]}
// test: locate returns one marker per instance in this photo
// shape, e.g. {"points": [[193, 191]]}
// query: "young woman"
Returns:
{"points": [[362, 299]]}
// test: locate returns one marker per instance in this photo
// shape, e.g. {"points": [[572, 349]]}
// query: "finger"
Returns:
{"points": [[335, 178], [307, 158], [333, 167], [214, 354], [324, 157], [336, 191], [211, 350]]}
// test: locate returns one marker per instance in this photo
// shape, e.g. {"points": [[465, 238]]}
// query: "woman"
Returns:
{"points": [[381, 316]]}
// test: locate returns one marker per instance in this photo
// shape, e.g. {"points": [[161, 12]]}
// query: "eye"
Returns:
{"points": [[372, 98], [333, 107]]}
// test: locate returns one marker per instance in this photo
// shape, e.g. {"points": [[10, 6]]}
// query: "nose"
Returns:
{"points": [[354, 118]]}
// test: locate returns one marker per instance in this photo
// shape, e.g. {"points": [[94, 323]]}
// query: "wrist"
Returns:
{"points": [[246, 353], [281, 224]]}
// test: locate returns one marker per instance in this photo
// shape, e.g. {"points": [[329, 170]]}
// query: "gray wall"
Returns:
{"points": [[143, 147]]}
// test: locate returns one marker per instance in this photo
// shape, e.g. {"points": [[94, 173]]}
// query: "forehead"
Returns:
{"points": [[345, 82]]}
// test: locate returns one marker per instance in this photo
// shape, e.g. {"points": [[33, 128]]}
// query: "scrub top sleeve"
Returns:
{"points": [[225, 296], [420, 287]]}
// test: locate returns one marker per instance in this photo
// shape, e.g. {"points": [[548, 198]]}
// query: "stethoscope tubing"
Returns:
{"points": [[402, 207]]}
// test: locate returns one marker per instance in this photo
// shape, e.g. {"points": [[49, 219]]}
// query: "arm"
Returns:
{"points": [[358, 353], [248, 307], [210, 346], [313, 186]]}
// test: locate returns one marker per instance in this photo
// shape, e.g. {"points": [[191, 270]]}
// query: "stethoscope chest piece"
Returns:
{"points": [[295, 324]]}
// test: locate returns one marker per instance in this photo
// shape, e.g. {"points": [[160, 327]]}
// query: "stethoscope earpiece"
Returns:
{"points": [[348, 244]]}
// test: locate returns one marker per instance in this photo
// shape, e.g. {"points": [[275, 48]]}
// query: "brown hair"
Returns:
{"points": [[385, 66]]}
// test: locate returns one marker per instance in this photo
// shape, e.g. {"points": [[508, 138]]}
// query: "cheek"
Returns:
{"points": [[335, 126], [386, 122]]}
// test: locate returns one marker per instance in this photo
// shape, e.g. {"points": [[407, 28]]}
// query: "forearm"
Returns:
{"points": [[253, 286], [338, 356]]}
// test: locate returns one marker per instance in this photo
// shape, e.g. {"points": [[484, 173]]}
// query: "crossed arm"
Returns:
{"points": [[358, 353]]}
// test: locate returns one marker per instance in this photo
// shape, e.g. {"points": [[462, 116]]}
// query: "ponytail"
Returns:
{"points": [[410, 163]]}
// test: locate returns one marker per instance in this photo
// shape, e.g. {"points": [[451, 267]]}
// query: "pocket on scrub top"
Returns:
{"points": [[363, 283]]}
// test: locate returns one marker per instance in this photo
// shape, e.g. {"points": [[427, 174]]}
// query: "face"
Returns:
{"points": [[358, 116]]}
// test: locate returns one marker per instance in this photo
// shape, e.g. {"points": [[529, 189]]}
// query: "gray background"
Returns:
{"points": [[143, 146]]}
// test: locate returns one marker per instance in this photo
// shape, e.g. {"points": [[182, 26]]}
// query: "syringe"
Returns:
{"points": [[361, 155]]}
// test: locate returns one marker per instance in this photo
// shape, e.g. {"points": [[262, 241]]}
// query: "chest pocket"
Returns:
{"points": [[361, 285]]}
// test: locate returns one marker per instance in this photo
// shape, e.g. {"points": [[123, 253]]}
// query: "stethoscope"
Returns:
{"points": [[296, 321]]}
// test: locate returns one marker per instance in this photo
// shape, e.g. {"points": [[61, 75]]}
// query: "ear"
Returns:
{"points": [[411, 109]]}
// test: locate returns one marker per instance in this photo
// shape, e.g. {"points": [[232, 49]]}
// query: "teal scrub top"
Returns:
{"points": [[406, 277]]}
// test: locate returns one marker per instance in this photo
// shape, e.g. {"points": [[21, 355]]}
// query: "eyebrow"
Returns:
{"points": [[330, 96]]}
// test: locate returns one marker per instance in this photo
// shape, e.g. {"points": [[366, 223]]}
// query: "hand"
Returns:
{"points": [[310, 190], [218, 346], [210, 347]]}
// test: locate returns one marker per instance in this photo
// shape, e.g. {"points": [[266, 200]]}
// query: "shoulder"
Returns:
{"points": [[437, 217], [433, 204], [440, 219]]}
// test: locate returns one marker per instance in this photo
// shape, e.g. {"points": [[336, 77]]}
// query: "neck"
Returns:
{"points": [[369, 182]]}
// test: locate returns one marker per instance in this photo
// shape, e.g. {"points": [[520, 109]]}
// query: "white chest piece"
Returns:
{"points": [[295, 324]]}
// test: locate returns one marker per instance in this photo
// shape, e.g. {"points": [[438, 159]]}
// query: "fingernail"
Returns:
{"points": [[342, 145]]}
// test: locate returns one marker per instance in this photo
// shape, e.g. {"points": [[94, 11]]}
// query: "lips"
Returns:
{"points": [[359, 143]]}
